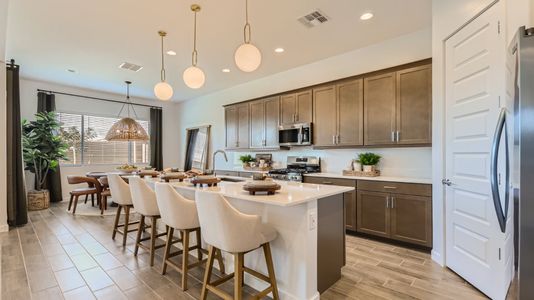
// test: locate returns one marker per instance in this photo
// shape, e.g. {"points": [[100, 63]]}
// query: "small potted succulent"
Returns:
{"points": [[369, 161], [246, 160]]}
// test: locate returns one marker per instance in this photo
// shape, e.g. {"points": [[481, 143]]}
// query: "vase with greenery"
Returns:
{"points": [[369, 161], [42, 148], [246, 160]]}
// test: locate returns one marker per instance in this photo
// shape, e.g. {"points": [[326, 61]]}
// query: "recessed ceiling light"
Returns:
{"points": [[170, 52], [226, 70], [71, 70], [279, 50], [366, 16]]}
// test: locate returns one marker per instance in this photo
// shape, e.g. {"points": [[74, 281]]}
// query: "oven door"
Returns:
{"points": [[289, 135]]}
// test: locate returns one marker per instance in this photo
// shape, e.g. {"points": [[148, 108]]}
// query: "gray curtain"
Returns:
{"points": [[17, 209], [47, 103], [156, 142]]}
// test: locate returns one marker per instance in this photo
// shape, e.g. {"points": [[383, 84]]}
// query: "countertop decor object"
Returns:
{"points": [[208, 180], [180, 176], [369, 161], [269, 187], [372, 173]]}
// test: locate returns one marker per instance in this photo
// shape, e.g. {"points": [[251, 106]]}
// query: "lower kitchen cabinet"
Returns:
{"points": [[411, 219], [373, 215]]}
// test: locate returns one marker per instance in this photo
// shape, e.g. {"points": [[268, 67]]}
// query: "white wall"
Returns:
{"points": [[3, 149], [409, 162], [28, 99], [447, 17]]}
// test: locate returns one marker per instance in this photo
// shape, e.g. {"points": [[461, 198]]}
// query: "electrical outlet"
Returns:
{"points": [[312, 218]]}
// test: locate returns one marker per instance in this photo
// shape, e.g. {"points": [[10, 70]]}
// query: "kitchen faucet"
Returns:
{"points": [[214, 154]]}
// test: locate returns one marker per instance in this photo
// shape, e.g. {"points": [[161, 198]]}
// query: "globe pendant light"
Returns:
{"points": [[247, 57], [163, 90], [194, 76], [127, 129]]}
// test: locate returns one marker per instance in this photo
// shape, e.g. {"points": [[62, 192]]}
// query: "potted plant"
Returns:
{"points": [[246, 160], [42, 148], [369, 161]]}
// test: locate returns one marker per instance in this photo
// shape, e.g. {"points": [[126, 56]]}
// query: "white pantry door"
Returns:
{"points": [[474, 82]]}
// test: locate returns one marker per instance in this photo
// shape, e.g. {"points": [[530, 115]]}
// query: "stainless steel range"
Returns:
{"points": [[296, 167]]}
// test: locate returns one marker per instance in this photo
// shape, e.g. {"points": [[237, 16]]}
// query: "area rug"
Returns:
{"points": [[85, 209]]}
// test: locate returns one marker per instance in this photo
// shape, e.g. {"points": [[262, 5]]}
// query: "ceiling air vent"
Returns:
{"points": [[130, 66], [313, 19]]}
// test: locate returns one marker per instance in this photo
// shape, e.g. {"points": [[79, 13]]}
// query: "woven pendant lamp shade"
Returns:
{"points": [[127, 129]]}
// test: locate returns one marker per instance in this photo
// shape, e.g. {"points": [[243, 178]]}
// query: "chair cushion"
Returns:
{"points": [[84, 191]]}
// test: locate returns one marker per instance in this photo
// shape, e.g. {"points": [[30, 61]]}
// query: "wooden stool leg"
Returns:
{"points": [[218, 254], [185, 258], [170, 234], [153, 241], [199, 244], [116, 224], [86, 197], [207, 272], [126, 221], [70, 201], [92, 199], [75, 204], [270, 269], [139, 232], [238, 276]]}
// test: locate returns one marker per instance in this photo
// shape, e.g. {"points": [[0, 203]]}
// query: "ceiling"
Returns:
{"points": [[48, 37]]}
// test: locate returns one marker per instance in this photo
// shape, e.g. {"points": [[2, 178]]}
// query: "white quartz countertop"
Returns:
{"points": [[290, 194], [378, 178]]}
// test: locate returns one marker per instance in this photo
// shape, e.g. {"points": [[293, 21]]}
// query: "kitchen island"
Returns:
{"points": [[310, 248]]}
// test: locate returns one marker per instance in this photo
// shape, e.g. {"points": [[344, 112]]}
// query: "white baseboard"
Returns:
{"points": [[436, 256], [4, 228]]}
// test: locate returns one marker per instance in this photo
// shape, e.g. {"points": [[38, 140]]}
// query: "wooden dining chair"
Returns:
{"points": [[93, 188], [104, 195]]}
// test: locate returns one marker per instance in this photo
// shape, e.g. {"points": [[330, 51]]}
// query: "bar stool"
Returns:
{"points": [[180, 213], [122, 196], [229, 230], [145, 203]]}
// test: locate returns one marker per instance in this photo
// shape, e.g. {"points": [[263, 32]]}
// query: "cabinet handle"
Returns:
{"points": [[392, 202], [387, 202], [387, 187], [393, 136], [296, 117], [334, 139], [398, 136]]}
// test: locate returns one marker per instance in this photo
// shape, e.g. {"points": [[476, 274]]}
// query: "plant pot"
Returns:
{"points": [[38, 200], [245, 165], [356, 166], [369, 169]]}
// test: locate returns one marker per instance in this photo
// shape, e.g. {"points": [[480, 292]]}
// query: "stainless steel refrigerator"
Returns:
{"points": [[520, 128]]}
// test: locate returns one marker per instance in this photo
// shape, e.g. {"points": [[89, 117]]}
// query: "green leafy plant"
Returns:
{"points": [[42, 146], [246, 158], [369, 159]]}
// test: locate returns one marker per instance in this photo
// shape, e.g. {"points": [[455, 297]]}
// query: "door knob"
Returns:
{"points": [[446, 182]]}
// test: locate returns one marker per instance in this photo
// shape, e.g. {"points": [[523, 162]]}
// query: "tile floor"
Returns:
{"points": [[60, 256]]}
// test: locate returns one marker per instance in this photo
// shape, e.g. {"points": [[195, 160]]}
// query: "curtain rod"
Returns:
{"points": [[96, 98]]}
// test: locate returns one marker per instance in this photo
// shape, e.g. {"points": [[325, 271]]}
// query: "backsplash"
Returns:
{"points": [[406, 162]]}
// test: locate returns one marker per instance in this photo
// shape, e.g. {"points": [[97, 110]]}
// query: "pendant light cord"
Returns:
{"points": [[195, 53], [128, 103], [162, 60], [246, 30]]}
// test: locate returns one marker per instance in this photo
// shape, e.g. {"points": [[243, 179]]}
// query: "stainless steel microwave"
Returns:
{"points": [[295, 134]]}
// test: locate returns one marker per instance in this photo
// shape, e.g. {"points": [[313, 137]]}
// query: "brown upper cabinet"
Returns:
{"points": [[237, 126], [264, 121], [338, 114], [398, 107], [296, 108]]}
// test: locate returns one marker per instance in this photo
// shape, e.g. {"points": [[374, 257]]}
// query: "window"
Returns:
{"points": [[85, 135]]}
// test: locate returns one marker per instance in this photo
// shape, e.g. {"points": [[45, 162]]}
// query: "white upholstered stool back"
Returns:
{"points": [[226, 228], [176, 211], [120, 191], [143, 197]]}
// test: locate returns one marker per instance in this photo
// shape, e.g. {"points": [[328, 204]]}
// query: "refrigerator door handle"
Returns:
{"points": [[501, 214]]}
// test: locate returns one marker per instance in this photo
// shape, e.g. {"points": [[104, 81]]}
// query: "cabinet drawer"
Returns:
{"points": [[330, 181], [227, 173], [415, 189]]}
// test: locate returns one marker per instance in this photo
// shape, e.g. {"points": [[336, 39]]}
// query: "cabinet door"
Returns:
{"points": [[414, 105], [350, 113], [257, 124], [379, 109], [411, 219], [272, 114], [243, 119], [324, 116], [288, 109], [350, 210], [230, 116], [373, 213], [304, 107]]}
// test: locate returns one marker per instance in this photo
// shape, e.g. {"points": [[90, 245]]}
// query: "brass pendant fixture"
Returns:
{"points": [[127, 129], [194, 76], [247, 57], [163, 90]]}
